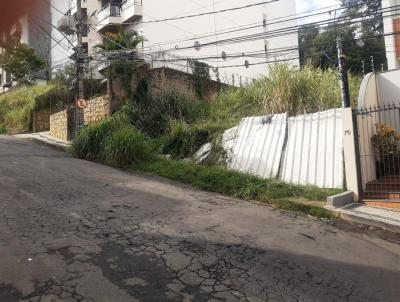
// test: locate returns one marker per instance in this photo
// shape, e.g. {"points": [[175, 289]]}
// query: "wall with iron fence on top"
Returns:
{"points": [[379, 142]]}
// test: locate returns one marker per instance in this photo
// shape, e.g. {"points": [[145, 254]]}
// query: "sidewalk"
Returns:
{"points": [[372, 216], [44, 137]]}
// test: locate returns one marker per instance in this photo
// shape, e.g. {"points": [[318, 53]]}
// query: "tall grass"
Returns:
{"points": [[125, 146], [17, 105], [151, 113], [113, 141], [89, 142], [285, 89]]}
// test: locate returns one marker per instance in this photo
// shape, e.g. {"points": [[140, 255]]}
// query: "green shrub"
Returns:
{"points": [[152, 113], [3, 129], [88, 144], [183, 140], [125, 146]]}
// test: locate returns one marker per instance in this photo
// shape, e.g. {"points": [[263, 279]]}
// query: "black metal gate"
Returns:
{"points": [[379, 151]]}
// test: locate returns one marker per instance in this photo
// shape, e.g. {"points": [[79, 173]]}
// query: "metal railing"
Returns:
{"points": [[379, 150], [110, 10]]}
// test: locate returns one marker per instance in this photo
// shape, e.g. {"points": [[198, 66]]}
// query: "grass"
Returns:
{"points": [[3, 129], [112, 141], [285, 89], [17, 105], [302, 199], [174, 122], [125, 146]]}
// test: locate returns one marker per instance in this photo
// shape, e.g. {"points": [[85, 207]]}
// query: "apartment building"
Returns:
{"points": [[240, 42], [31, 28], [392, 25]]}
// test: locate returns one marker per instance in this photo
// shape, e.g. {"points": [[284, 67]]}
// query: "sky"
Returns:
{"points": [[306, 5]]}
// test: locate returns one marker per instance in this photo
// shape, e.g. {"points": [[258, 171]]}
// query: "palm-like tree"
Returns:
{"points": [[119, 63]]}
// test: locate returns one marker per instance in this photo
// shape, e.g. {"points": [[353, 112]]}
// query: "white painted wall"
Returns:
{"points": [[159, 36], [393, 61], [59, 52]]}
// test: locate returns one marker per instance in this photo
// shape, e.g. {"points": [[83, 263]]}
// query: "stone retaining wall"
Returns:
{"points": [[41, 120], [61, 124], [97, 109]]}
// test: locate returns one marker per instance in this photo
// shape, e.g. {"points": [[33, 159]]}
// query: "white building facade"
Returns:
{"points": [[236, 38], [392, 25], [30, 30]]}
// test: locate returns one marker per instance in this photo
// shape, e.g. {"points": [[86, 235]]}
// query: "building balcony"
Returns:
{"points": [[126, 11], [131, 10], [74, 8], [108, 16]]}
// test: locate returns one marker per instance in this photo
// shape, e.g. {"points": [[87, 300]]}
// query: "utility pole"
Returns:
{"points": [[265, 36], [79, 71], [344, 77]]}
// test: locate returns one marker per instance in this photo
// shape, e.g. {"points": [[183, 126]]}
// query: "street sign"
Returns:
{"points": [[81, 104]]}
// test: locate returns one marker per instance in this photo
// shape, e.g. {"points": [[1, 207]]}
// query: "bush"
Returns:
{"points": [[125, 146], [152, 113], [3, 129], [89, 142], [112, 141], [183, 140]]}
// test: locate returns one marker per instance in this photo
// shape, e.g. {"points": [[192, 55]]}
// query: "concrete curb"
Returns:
{"points": [[38, 137], [341, 200], [348, 214]]}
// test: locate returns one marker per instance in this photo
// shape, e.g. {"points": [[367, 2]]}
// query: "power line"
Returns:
{"points": [[208, 13]]}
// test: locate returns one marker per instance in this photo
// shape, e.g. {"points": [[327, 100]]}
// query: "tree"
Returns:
{"points": [[307, 49], [65, 77], [361, 40], [22, 62], [122, 39]]}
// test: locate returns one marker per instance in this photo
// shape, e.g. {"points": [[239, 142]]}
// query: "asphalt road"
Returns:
{"points": [[72, 230]]}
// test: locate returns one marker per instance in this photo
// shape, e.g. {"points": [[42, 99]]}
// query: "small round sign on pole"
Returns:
{"points": [[81, 104]]}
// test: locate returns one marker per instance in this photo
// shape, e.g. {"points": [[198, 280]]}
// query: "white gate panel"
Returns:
{"points": [[257, 146], [314, 151]]}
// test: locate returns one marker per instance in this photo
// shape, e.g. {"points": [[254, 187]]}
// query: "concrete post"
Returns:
{"points": [[350, 148]]}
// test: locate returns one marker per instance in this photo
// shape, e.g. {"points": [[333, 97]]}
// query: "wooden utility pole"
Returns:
{"points": [[344, 77]]}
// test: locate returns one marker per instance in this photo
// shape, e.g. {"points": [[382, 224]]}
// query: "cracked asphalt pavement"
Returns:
{"points": [[72, 230]]}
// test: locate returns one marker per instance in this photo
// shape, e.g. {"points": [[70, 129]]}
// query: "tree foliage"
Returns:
{"points": [[201, 77], [65, 77], [22, 62], [122, 39], [361, 40]]}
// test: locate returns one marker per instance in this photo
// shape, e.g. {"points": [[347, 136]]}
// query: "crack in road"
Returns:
{"points": [[106, 235]]}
